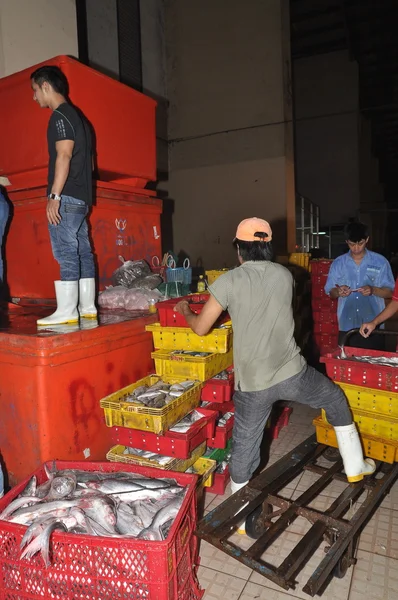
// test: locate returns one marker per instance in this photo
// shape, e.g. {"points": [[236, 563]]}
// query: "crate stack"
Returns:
{"points": [[324, 309], [142, 428], [372, 392]]}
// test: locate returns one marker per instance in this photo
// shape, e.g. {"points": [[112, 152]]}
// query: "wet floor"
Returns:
{"points": [[21, 320]]}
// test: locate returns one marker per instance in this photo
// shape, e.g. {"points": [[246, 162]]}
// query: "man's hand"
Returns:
{"points": [[366, 290], [182, 307], [367, 329], [53, 216], [343, 291]]}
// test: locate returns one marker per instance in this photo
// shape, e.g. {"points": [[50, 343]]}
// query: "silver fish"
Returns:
{"points": [[163, 516], [42, 542], [30, 489]]}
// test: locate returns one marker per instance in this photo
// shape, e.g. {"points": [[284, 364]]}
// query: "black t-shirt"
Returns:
{"points": [[66, 123]]}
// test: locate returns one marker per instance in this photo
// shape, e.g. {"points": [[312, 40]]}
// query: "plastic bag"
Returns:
{"points": [[138, 299], [147, 283], [130, 271], [113, 297]]}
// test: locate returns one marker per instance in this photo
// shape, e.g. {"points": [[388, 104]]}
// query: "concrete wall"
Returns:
{"points": [[103, 50], [32, 31], [327, 134], [228, 89]]}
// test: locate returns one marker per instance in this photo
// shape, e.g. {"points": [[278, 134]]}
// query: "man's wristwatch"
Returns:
{"points": [[54, 197]]}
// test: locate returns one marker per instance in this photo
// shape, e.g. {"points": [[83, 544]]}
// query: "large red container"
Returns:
{"points": [[104, 568], [122, 118], [124, 221], [51, 385]]}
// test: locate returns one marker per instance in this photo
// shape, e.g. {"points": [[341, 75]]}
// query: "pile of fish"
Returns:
{"points": [[224, 375], [160, 459], [223, 420], [117, 505], [190, 353], [159, 394], [390, 361], [186, 422]]}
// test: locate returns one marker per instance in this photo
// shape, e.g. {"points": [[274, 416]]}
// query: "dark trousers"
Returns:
{"points": [[376, 341]]}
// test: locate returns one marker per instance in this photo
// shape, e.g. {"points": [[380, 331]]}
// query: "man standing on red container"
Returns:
{"points": [[69, 198]]}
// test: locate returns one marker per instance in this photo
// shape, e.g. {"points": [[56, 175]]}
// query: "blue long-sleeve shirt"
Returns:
{"points": [[356, 309]]}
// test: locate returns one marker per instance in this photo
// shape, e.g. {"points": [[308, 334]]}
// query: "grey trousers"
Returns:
{"points": [[252, 410]]}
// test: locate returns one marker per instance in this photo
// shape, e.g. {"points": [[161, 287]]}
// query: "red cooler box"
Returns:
{"points": [[123, 120], [51, 385], [124, 221]]}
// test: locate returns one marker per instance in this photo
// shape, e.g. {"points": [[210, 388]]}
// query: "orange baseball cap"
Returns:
{"points": [[254, 230]]}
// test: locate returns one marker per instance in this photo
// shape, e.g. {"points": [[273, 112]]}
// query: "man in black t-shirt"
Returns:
{"points": [[69, 197]]}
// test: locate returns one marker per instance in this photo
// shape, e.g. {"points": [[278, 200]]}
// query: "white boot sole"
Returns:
{"points": [[360, 476]]}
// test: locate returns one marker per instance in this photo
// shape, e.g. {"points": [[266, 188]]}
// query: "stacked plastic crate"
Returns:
{"points": [[372, 392], [180, 355], [324, 309]]}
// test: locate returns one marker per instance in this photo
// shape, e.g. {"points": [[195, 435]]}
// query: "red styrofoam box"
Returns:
{"points": [[323, 303], [325, 316], [99, 568], [123, 222], [221, 407], [320, 267], [171, 443], [51, 384], [220, 482], [365, 374], [122, 118], [330, 327], [221, 435], [169, 318], [219, 390]]}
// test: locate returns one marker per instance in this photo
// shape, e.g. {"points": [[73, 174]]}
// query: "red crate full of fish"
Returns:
{"points": [[219, 389], [172, 443], [104, 568], [169, 318], [223, 432], [220, 407], [355, 369]]}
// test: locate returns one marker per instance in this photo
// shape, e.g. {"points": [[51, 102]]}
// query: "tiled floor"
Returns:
{"points": [[374, 577]]}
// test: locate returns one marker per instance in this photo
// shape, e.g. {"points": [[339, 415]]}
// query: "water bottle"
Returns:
{"points": [[152, 306]]}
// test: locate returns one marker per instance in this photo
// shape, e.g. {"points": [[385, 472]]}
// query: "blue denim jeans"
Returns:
{"points": [[70, 242], [4, 214]]}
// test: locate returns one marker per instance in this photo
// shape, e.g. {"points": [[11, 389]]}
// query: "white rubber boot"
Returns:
{"points": [[355, 466], [67, 294], [234, 488], [87, 309]]}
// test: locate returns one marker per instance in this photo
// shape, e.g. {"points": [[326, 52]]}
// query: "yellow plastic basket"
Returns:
{"points": [[380, 426], [204, 467], [371, 400], [115, 454], [213, 275], [183, 338], [119, 413], [373, 447], [191, 367]]}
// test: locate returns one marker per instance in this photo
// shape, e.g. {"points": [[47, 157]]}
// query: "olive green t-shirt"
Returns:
{"points": [[258, 297]]}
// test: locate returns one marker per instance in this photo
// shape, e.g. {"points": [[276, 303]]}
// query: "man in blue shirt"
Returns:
{"points": [[361, 280]]}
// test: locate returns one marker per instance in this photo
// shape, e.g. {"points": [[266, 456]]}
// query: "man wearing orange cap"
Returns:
{"points": [[267, 361]]}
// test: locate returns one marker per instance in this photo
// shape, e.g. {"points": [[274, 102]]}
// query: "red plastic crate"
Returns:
{"points": [[221, 407], [103, 568], [220, 482], [171, 443], [323, 303], [283, 421], [325, 316], [326, 341], [219, 390], [319, 281], [381, 377], [222, 435], [330, 327], [169, 318], [320, 267]]}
